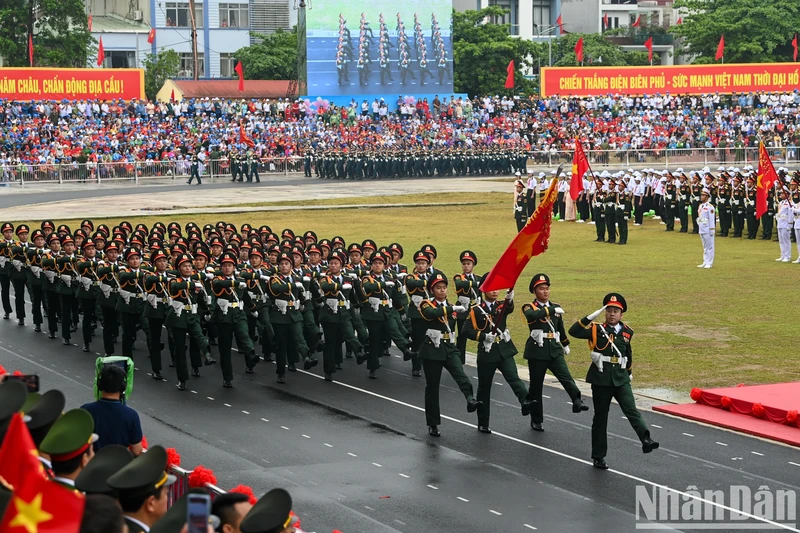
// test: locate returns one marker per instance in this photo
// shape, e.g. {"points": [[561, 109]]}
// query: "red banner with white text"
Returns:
{"points": [[71, 83], [676, 79]]}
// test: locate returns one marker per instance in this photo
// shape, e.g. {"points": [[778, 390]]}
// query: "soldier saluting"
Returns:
{"points": [[610, 374]]}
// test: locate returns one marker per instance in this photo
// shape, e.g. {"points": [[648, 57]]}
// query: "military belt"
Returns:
{"points": [[611, 359]]}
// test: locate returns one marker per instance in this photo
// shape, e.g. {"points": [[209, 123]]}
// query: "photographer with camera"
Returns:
{"points": [[115, 422]]}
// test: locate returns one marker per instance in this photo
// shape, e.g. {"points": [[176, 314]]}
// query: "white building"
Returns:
{"points": [[223, 27]]}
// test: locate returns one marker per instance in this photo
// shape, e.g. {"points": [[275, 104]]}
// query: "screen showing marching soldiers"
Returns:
{"points": [[362, 47]]}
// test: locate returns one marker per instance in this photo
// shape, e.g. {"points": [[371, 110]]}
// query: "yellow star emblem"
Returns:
{"points": [[30, 514], [525, 245]]}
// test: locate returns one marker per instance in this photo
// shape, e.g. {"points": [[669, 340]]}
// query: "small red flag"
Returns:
{"points": [[680, 21], [101, 54], [531, 241], [244, 139], [579, 50], [794, 45], [43, 506], [240, 72], [172, 95], [649, 45], [720, 48], [151, 37], [18, 456], [30, 49], [510, 75], [580, 164], [605, 21], [560, 24], [89, 22], [637, 22], [766, 180]]}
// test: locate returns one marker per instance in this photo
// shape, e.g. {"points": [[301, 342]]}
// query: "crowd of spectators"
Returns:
{"points": [[49, 132]]}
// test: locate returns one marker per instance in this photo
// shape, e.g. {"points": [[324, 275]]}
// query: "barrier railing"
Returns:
{"points": [[143, 171]]}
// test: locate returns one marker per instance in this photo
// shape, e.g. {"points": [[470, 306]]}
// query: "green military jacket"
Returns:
{"points": [[184, 297], [482, 319], [467, 291], [19, 258], [88, 282], [288, 299], [131, 291], [616, 370], [34, 271], [109, 288], [157, 300], [380, 295], [228, 290], [67, 274], [49, 271], [257, 295], [549, 339], [5, 257], [438, 318], [415, 289], [337, 296]]}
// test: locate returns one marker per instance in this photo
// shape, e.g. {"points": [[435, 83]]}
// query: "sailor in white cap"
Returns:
{"points": [[707, 224], [785, 221]]}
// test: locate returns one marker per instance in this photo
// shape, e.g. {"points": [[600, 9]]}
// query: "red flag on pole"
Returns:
{"points": [[579, 50], [240, 72], [720, 48], [531, 241], [172, 95], [605, 21], [637, 22], [30, 49], [18, 456], [244, 139], [101, 54], [510, 75], [151, 37], [680, 21], [560, 24], [794, 45], [649, 45], [580, 165], [89, 22], [43, 506], [766, 180]]}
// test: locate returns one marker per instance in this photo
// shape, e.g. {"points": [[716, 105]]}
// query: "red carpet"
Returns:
{"points": [[769, 411]]}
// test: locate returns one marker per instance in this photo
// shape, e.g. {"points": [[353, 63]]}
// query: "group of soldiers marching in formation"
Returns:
{"points": [[419, 162], [296, 295]]}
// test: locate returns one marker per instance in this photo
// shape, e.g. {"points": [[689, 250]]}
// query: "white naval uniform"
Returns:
{"points": [[707, 224], [785, 217]]}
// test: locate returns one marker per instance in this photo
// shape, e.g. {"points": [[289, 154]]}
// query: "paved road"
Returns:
{"points": [[356, 456]]}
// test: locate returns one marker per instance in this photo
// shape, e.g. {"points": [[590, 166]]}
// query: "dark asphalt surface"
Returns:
{"points": [[356, 456]]}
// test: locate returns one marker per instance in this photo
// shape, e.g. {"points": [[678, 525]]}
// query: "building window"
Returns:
{"points": [[179, 17], [187, 65], [227, 62], [233, 16], [507, 17], [541, 15], [119, 59], [267, 17]]}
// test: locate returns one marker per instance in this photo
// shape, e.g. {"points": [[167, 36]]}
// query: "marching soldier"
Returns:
{"points": [[51, 283], [156, 285], [108, 272], [598, 210], [195, 171], [19, 277], [439, 352], [467, 285], [130, 305], [610, 374], [545, 349], [486, 323], [65, 267], [523, 200], [610, 212], [695, 190], [253, 162], [5, 268], [228, 315], [36, 280], [337, 323], [257, 302], [88, 290], [684, 190]]}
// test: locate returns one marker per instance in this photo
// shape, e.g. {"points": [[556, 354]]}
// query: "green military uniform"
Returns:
{"points": [[545, 349], [19, 271], [623, 207], [67, 288], [155, 310], [258, 305], [130, 304], [108, 299], [486, 323], [439, 352], [337, 323], [36, 280], [609, 376], [415, 288], [88, 292], [738, 199], [467, 288], [684, 203], [5, 269], [50, 286]]}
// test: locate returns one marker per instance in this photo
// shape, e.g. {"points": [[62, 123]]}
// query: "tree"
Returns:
{"points": [[756, 31], [61, 35], [482, 51], [597, 51], [158, 68], [274, 58]]}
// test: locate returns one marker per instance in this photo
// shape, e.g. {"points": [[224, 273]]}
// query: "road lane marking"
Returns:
{"points": [[563, 455], [284, 427], [688, 434], [721, 443], [462, 499], [759, 454], [226, 404], [351, 454], [328, 445], [529, 526], [194, 392], [246, 412], [495, 512], [795, 464], [656, 426], [265, 420], [305, 436], [376, 464], [210, 398], [432, 487], [405, 476]]}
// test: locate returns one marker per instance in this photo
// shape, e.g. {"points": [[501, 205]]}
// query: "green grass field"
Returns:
{"points": [[693, 327]]}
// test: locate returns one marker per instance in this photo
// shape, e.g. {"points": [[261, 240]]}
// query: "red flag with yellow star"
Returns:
{"points": [[18, 456], [39, 505], [580, 165], [530, 242], [766, 180]]}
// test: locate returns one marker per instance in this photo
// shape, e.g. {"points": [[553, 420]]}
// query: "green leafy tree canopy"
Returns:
{"points": [[756, 31], [274, 58], [158, 68]]}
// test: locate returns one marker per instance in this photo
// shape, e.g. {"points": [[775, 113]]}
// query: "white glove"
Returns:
{"points": [[459, 308], [630, 377], [298, 285], [198, 286], [626, 218], [346, 286], [490, 337], [402, 275], [558, 311], [596, 313], [264, 278], [390, 283], [510, 295], [566, 350], [306, 278], [242, 285], [352, 275], [209, 275]]}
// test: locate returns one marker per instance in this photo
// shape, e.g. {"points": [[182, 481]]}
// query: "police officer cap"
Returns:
{"points": [[377, 256], [143, 475], [22, 228], [108, 460], [12, 397], [70, 436], [325, 243], [467, 255], [183, 258], [338, 240], [422, 256], [310, 235], [256, 250], [369, 243], [429, 249], [614, 299], [354, 247], [228, 258], [175, 517], [438, 278], [314, 249], [396, 247], [88, 223], [37, 233], [285, 256], [130, 252], [287, 234], [44, 414], [8, 226], [537, 280], [156, 255], [339, 256], [270, 514]]}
